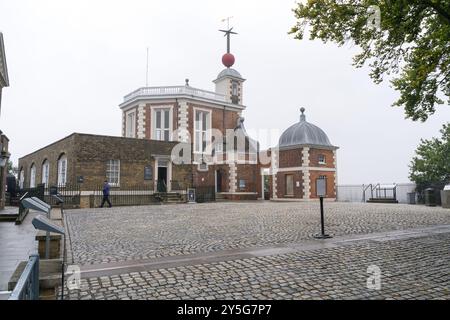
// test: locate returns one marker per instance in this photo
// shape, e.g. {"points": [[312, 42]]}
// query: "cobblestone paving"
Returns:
{"points": [[416, 268], [133, 233]]}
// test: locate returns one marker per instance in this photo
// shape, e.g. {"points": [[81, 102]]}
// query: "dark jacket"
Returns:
{"points": [[106, 189]]}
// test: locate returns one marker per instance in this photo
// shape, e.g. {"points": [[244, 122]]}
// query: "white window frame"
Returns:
{"points": [[45, 172], [154, 130], [33, 176], [115, 169], [234, 88], [322, 161], [130, 124], [62, 170], [207, 133]]}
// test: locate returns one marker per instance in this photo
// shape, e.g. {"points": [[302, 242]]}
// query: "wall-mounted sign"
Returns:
{"points": [[191, 195], [148, 173]]}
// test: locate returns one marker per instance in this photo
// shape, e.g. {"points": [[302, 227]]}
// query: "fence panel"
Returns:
{"points": [[205, 193], [69, 193], [126, 196], [354, 192]]}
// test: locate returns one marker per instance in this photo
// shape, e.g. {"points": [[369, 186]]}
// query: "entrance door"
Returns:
{"points": [[289, 185], [218, 181], [162, 179]]}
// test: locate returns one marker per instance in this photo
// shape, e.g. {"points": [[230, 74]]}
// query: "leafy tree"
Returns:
{"points": [[431, 165], [409, 40]]}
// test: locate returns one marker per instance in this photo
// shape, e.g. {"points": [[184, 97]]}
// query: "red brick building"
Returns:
{"points": [[304, 154], [202, 142]]}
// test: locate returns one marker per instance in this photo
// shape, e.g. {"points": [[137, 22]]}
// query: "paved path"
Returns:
{"points": [[17, 242], [260, 250], [137, 233], [413, 265]]}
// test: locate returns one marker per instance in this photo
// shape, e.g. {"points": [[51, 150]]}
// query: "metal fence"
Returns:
{"points": [[355, 192], [70, 193], [205, 193], [131, 195], [27, 288]]}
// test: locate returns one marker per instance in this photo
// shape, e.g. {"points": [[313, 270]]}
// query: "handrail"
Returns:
{"points": [[364, 191], [27, 288], [376, 188]]}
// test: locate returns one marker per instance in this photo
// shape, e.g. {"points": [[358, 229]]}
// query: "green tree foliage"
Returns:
{"points": [[410, 45], [431, 164]]}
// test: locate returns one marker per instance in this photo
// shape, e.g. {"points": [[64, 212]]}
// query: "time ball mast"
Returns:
{"points": [[228, 58]]}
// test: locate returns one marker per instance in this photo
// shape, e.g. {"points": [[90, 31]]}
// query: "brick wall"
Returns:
{"points": [[281, 184], [314, 158], [290, 158], [51, 153], [87, 156]]}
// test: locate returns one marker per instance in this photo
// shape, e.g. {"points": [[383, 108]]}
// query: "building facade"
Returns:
{"points": [[177, 137], [4, 141], [304, 154]]}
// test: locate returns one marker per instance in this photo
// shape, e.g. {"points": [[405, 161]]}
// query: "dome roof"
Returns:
{"points": [[304, 133], [229, 72]]}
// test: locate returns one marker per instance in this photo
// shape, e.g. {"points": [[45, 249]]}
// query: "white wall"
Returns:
{"points": [[354, 192]]}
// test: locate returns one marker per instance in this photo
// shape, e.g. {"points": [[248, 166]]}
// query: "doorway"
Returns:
{"points": [[218, 181], [289, 185], [162, 179]]}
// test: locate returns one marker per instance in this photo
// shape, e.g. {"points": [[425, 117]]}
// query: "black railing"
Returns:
{"points": [[129, 195], [205, 193], [70, 193]]}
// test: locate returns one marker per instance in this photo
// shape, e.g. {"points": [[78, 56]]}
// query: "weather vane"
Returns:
{"points": [[227, 19], [228, 32]]}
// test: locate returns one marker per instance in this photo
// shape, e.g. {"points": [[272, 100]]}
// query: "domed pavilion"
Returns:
{"points": [[304, 155]]}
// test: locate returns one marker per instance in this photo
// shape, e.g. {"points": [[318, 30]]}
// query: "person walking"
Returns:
{"points": [[106, 188]]}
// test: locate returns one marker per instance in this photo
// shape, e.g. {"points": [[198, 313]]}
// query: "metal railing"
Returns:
{"points": [[27, 288], [379, 191], [125, 195], [70, 193], [175, 90], [205, 193]]}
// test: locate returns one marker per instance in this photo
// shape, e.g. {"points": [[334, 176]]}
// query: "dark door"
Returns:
{"points": [[219, 181], [162, 179]]}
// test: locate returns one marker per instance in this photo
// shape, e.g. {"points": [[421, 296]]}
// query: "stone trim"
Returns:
{"points": [[306, 184], [305, 157], [335, 172], [183, 116], [274, 172], [141, 121], [232, 177]]}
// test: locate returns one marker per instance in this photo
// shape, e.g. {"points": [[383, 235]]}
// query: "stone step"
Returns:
{"points": [[382, 200]]}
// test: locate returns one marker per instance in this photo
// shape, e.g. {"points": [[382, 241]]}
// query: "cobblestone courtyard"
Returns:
{"points": [[260, 250]]}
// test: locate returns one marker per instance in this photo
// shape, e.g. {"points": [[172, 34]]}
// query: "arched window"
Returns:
{"points": [[45, 172], [62, 170], [21, 178], [33, 176]]}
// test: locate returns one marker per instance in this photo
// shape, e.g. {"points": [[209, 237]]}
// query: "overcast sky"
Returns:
{"points": [[71, 62]]}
